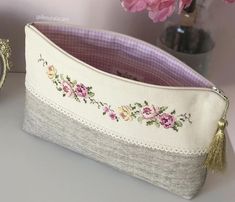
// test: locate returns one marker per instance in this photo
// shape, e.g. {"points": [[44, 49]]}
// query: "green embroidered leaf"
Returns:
{"points": [[175, 128], [77, 99], [91, 94], [136, 112], [178, 123], [146, 103], [74, 82], [173, 112], [64, 95], [133, 115], [104, 113], [157, 123], [56, 76], [189, 119], [84, 100], [138, 104], [59, 89], [62, 77], [149, 123], [67, 77], [182, 119], [140, 119], [162, 109], [45, 63]]}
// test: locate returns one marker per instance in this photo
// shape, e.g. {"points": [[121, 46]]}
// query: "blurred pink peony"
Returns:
{"points": [[134, 5], [229, 1], [184, 4], [160, 10]]}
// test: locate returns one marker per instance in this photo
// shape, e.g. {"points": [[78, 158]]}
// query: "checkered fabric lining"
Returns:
{"points": [[115, 53]]}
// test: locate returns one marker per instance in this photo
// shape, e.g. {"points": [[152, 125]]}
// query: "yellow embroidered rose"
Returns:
{"points": [[51, 72], [125, 113]]}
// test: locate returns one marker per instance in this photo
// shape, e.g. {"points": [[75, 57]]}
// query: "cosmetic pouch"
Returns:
{"points": [[125, 103]]}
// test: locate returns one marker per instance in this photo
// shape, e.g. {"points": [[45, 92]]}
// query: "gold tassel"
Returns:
{"points": [[216, 159]]}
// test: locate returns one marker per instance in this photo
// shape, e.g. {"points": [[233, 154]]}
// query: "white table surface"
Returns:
{"points": [[33, 170]]}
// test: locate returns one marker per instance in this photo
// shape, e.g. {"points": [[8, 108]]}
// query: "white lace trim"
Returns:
{"points": [[91, 125]]}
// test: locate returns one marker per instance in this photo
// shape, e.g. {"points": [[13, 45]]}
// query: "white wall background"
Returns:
{"points": [[108, 14]]}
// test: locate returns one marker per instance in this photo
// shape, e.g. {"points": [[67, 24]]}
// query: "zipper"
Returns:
{"points": [[221, 94]]}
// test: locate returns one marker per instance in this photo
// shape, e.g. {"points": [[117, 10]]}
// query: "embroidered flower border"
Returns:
{"points": [[145, 113]]}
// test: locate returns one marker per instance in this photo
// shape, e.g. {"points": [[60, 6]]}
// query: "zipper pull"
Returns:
{"points": [[216, 158]]}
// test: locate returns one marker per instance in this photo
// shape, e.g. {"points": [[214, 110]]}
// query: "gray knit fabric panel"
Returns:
{"points": [[180, 174]]}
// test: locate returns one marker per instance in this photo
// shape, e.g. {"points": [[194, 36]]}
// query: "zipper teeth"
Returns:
{"points": [[211, 89], [221, 93]]}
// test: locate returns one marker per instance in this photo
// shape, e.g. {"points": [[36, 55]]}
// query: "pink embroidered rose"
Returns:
{"points": [[184, 4], [160, 10], [149, 112], [110, 112], [67, 88], [106, 109], [167, 120], [134, 5], [112, 115], [81, 90]]}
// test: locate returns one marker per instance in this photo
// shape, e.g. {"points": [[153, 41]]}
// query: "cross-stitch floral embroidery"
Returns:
{"points": [[153, 115], [145, 113]]}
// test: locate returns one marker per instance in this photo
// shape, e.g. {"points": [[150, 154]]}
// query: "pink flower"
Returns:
{"points": [[229, 1], [149, 112], [67, 88], [160, 10], [167, 120], [106, 108], [81, 90], [184, 4], [134, 5], [112, 115]]}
